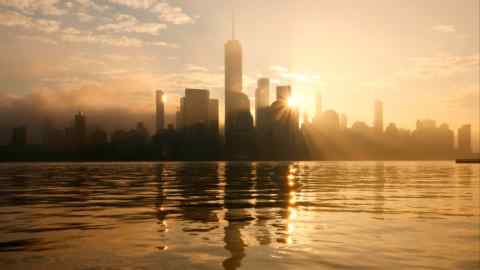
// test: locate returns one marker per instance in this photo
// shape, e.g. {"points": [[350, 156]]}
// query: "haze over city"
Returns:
{"points": [[107, 57], [228, 134]]}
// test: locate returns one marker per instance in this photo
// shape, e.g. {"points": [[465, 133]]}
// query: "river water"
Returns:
{"points": [[240, 215]]}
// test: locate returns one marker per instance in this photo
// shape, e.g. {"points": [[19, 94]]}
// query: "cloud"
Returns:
{"points": [[38, 39], [136, 4], [105, 98], [89, 4], [166, 12], [118, 41], [440, 66], [45, 7], [164, 44], [467, 99], [84, 17], [48, 26], [172, 14], [194, 68], [60, 106], [13, 19], [282, 75], [71, 31], [279, 69], [444, 28], [129, 24]]}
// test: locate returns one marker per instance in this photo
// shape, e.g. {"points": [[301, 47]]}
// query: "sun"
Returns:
{"points": [[292, 102]]}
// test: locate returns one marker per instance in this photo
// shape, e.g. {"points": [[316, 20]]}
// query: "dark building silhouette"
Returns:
{"points": [[197, 136], [233, 81], [179, 114], [98, 137], [79, 131], [262, 102], [54, 139], [239, 134], [160, 110], [142, 134], [19, 136], [196, 107], [213, 122], [464, 135], [285, 124]]}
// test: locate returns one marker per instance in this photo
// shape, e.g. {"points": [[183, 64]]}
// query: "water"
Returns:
{"points": [[300, 215]]}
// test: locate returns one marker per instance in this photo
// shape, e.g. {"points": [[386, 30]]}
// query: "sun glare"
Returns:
{"points": [[294, 102]]}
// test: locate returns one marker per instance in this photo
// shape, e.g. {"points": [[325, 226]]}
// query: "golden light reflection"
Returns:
{"points": [[293, 198], [292, 215]]}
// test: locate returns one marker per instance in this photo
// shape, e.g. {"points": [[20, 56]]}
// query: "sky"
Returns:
{"points": [[106, 57]]}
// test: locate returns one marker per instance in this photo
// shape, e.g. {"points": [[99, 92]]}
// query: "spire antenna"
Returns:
{"points": [[233, 21]]}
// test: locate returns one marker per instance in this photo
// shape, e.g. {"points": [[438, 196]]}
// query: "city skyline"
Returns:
{"points": [[457, 70]]}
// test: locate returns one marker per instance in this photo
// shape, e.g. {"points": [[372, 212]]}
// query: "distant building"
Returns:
{"points": [[19, 136], [213, 121], [360, 127], [283, 93], [426, 124], [285, 125], [430, 141], [196, 107], [464, 138], [99, 137], [160, 110], [262, 100], [378, 117], [446, 138], [53, 138], [391, 130], [328, 121], [343, 122], [80, 130], [179, 114]]}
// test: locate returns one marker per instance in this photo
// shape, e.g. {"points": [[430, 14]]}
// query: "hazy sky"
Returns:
{"points": [[421, 58]]}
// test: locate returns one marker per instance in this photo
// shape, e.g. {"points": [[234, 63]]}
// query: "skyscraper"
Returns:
{"points": [[196, 107], [179, 115], [213, 115], [238, 119], [465, 139], [378, 117], [160, 110], [284, 92], [285, 121], [262, 99], [233, 76]]}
